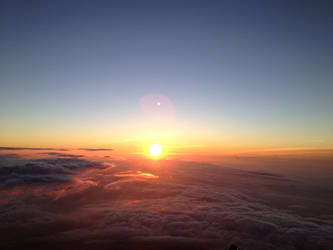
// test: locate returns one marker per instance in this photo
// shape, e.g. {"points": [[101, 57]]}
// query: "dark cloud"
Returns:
{"points": [[42, 171], [24, 148], [13, 180], [97, 149], [161, 205], [62, 155], [5, 157]]}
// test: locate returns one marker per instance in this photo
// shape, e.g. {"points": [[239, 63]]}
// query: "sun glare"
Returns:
{"points": [[155, 149]]}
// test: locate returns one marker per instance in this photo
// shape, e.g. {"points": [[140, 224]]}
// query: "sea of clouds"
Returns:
{"points": [[69, 201]]}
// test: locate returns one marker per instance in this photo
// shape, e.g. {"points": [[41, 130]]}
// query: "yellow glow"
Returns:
{"points": [[155, 149]]}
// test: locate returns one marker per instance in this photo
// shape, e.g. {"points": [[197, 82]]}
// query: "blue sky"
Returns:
{"points": [[258, 69]]}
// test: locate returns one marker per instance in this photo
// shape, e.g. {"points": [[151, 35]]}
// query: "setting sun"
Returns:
{"points": [[155, 149]]}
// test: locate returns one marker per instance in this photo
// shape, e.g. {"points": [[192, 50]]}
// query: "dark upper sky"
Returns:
{"points": [[247, 68]]}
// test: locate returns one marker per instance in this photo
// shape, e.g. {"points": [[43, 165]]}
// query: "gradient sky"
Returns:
{"points": [[240, 74]]}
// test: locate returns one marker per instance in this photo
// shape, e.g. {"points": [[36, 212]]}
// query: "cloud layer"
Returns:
{"points": [[71, 203], [43, 171]]}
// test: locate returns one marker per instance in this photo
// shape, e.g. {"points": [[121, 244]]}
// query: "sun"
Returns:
{"points": [[155, 149]]}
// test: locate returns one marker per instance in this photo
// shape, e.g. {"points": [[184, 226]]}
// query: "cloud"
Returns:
{"points": [[43, 171], [14, 180], [62, 155], [185, 205], [25, 148], [4, 157], [97, 149]]}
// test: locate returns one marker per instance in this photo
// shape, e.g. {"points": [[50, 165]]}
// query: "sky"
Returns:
{"points": [[232, 75], [237, 95]]}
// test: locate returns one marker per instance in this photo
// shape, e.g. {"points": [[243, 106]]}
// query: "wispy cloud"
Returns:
{"points": [[25, 148], [62, 155], [96, 149]]}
